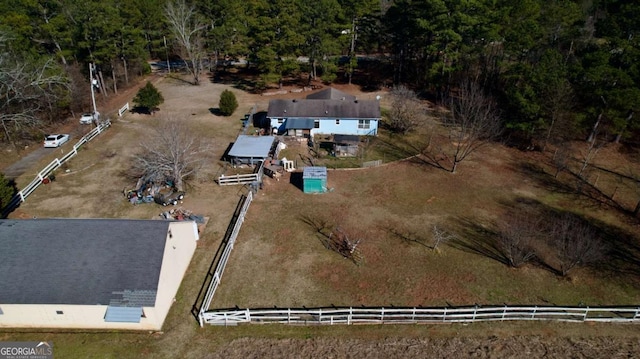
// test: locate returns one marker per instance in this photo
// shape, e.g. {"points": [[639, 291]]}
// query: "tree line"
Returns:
{"points": [[557, 68]]}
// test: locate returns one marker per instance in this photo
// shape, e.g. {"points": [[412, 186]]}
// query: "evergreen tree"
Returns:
{"points": [[7, 190], [148, 98], [228, 103]]}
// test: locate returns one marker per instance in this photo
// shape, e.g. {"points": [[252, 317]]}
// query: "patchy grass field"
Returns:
{"points": [[280, 258]]}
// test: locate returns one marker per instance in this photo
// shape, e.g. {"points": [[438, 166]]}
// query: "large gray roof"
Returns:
{"points": [[252, 146], [331, 94], [346, 109], [81, 261]]}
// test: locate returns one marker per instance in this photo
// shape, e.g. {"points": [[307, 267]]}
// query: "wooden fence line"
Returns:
{"points": [[415, 315], [219, 270], [22, 195]]}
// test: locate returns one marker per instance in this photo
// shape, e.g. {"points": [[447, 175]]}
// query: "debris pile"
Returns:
{"points": [[181, 214]]}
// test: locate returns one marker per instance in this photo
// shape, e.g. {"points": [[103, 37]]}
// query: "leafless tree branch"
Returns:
{"points": [[171, 152], [472, 122], [187, 29]]}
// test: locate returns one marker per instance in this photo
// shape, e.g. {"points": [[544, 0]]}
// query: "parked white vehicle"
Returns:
{"points": [[88, 118], [55, 140]]}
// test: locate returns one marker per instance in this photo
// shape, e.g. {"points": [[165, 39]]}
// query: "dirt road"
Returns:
{"points": [[107, 106]]}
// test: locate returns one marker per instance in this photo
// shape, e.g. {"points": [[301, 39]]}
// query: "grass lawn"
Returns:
{"points": [[280, 259]]}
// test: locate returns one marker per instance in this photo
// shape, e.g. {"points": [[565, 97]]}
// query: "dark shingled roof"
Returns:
{"points": [[81, 261], [358, 109], [331, 94]]}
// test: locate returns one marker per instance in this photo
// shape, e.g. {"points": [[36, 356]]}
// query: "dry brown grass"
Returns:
{"points": [[279, 258]]}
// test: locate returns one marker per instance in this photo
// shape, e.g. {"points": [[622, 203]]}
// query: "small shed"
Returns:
{"points": [[314, 179]]}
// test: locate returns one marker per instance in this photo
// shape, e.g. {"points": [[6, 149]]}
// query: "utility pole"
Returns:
{"points": [[93, 82]]}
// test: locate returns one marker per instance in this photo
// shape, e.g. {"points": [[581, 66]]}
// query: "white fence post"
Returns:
{"points": [[586, 312]]}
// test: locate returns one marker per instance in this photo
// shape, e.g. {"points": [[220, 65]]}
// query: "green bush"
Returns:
{"points": [[148, 98], [228, 103], [7, 190]]}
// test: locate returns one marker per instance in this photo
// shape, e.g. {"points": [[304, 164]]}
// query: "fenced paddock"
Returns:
{"points": [[228, 241], [382, 315], [22, 195]]}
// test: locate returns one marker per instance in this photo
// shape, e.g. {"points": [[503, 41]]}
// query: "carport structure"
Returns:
{"points": [[251, 149]]}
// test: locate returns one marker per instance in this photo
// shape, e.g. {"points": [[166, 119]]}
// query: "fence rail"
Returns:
{"points": [[375, 163], [351, 315], [22, 195], [230, 240], [249, 178]]}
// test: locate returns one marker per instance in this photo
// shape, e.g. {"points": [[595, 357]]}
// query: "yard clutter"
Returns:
{"points": [[181, 214], [148, 192]]}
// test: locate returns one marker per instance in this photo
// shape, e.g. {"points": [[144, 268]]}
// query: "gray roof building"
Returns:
{"points": [[92, 273], [354, 109], [81, 261], [331, 94]]}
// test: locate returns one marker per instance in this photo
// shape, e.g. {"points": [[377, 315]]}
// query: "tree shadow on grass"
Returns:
{"points": [[215, 111], [619, 249], [476, 239], [575, 186]]}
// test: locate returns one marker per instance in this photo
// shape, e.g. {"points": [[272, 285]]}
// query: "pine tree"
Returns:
{"points": [[228, 103], [148, 98]]}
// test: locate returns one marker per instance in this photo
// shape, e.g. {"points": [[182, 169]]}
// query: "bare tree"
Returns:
{"points": [[339, 241], [576, 243], [406, 111], [27, 89], [472, 122], [440, 236], [561, 158], [517, 236], [187, 29], [171, 152]]}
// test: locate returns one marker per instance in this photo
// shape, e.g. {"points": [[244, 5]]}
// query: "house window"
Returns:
{"points": [[316, 124], [59, 312], [364, 124], [337, 121], [1, 312], [280, 121]]}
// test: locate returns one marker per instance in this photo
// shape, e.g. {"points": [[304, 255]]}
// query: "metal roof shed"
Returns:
{"points": [[314, 179], [250, 149]]}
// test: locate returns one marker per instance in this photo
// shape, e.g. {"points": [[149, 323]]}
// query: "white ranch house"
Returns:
{"points": [[327, 112]]}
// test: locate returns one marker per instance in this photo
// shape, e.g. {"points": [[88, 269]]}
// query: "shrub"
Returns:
{"points": [[148, 98], [228, 103], [7, 190]]}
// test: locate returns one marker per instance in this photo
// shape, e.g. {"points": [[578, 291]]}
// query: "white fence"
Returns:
{"points": [[348, 316], [238, 179], [248, 178], [123, 109], [219, 269], [375, 163], [22, 195]]}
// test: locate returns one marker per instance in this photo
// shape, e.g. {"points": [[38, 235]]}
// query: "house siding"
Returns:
{"points": [[328, 126]]}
